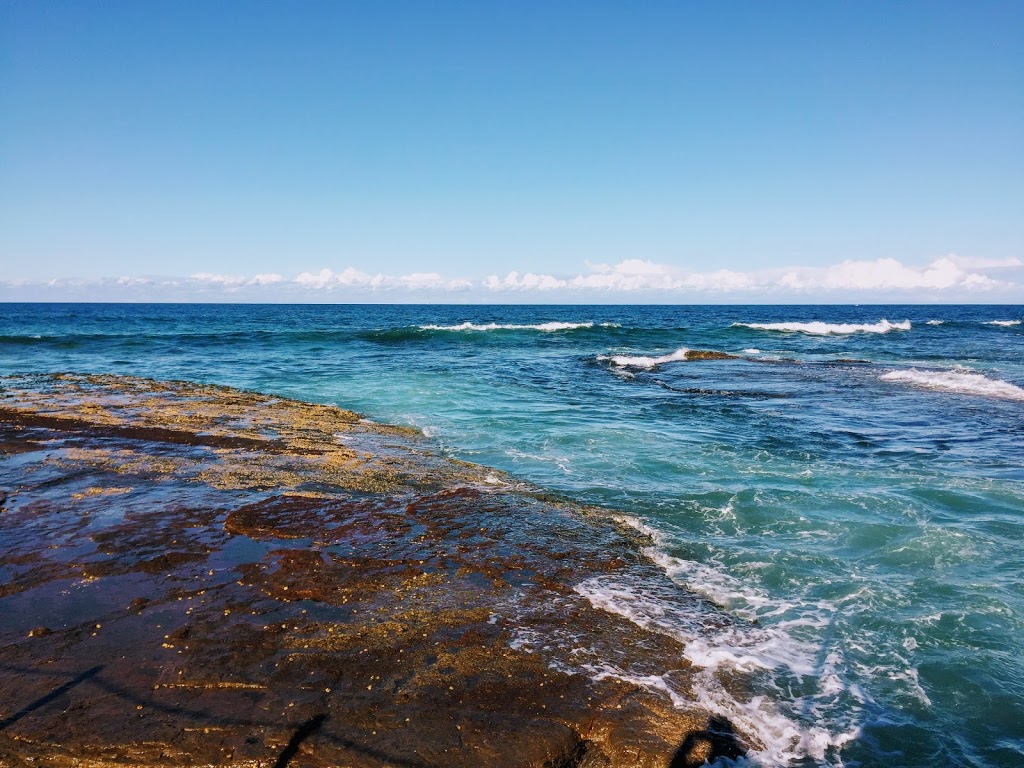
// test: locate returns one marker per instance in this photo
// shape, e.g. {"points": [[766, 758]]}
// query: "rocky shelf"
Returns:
{"points": [[196, 575]]}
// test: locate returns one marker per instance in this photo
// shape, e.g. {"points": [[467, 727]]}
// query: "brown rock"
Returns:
{"points": [[305, 603]]}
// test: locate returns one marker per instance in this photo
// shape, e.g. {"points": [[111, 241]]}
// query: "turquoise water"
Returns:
{"points": [[849, 488]]}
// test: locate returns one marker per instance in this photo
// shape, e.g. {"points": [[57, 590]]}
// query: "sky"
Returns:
{"points": [[512, 152]]}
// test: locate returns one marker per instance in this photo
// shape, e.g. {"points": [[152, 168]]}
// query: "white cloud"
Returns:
{"points": [[235, 281], [946, 278], [528, 282], [628, 275], [886, 275], [851, 276], [977, 262], [328, 279], [267, 278], [433, 280], [209, 277]]}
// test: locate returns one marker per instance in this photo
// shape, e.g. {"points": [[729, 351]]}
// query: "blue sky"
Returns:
{"points": [[512, 151]]}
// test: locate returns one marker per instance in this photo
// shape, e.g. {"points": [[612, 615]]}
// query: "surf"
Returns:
{"points": [[819, 328], [548, 327], [959, 381]]}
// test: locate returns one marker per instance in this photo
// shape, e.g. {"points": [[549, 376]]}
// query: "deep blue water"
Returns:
{"points": [[854, 498]]}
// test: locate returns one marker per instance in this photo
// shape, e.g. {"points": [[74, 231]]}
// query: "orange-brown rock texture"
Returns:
{"points": [[194, 575]]}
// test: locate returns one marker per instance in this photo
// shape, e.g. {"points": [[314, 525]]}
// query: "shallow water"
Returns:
{"points": [[848, 486]]}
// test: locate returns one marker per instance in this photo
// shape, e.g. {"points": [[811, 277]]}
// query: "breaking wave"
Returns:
{"points": [[644, 361], [818, 328], [1004, 323], [546, 327], [958, 380], [718, 648]]}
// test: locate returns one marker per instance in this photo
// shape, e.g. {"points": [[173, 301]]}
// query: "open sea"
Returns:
{"points": [[847, 482]]}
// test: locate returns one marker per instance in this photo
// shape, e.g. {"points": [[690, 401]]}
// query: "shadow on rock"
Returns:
{"points": [[304, 731], [716, 741], [54, 694]]}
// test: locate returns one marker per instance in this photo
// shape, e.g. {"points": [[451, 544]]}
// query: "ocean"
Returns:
{"points": [[846, 483]]}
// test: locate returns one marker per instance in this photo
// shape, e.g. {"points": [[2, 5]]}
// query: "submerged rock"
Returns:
{"points": [[709, 354], [197, 575]]}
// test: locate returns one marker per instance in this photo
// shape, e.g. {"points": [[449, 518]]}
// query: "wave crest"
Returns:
{"points": [[819, 328], [960, 381], [546, 327], [645, 361]]}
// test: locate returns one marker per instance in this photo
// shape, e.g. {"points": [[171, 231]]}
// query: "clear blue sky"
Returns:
{"points": [[473, 139]]}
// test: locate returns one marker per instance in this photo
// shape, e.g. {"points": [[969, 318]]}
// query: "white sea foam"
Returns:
{"points": [[770, 637], [643, 361], [818, 328], [752, 351], [713, 647], [562, 462], [935, 322], [957, 380], [1004, 323], [546, 327], [637, 524], [653, 682]]}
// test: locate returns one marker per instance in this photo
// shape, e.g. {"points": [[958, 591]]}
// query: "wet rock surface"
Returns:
{"points": [[195, 575]]}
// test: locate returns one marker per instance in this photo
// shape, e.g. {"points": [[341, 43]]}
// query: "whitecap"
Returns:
{"points": [[818, 328], [546, 327], [961, 381], [1003, 323], [935, 322], [644, 361]]}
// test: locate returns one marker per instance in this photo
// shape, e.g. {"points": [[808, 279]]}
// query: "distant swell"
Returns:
{"points": [[20, 339], [819, 328], [546, 327], [960, 381]]}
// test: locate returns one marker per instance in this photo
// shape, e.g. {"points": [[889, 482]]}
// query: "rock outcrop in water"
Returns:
{"points": [[198, 575]]}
